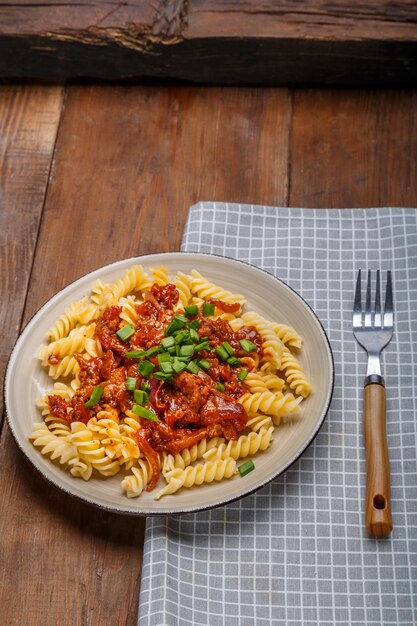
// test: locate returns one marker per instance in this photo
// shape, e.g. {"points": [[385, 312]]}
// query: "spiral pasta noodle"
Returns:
{"points": [[183, 284], [197, 475], [276, 405], [136, 482], [295, 375], [244, 446], [206, 290], [189, 455]]}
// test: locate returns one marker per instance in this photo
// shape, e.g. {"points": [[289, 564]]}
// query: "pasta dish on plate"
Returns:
{"points": [[165, 375]]}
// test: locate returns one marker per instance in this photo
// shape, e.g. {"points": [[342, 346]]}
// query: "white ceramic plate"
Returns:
{"points": [[265, 294]]}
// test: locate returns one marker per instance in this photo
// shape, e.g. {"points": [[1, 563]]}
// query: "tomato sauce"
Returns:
{"points": [[188, 406]]}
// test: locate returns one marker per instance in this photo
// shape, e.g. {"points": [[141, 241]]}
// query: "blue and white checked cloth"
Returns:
{"points": [[296, 552]]}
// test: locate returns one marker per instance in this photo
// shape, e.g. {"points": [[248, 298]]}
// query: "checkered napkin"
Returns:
{"points": [[296, 553]]}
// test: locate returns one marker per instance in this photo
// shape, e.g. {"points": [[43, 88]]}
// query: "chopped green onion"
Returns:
{"points": [[140, 397], [208, 309], [168, 342], [246, 467], [193, 368], [146, 413], [221, 353], [242, 374], [191, 310], [194, 324], [204, 364], [126, 332], [131, 383], [233, 361], [176, 323], [172, 351], [226, 345], [146, 368], [162, 376], [184, 359], [166, 367], [153, 351], [178, 366], [219, 386], [247, 345], [135, 354], [204, 345], [186, 350], [164, 357], [145, 387], [194, 335], [182, 336], [94, 398]]}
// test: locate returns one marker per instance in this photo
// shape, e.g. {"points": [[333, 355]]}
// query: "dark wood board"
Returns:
{"points": [[354, 149], [337, 43], [128, 164]]}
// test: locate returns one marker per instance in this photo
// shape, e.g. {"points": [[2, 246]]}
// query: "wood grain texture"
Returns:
{"points": [[378, 519], [128, 164], [354, 149], [232, 41], [29, 119]]}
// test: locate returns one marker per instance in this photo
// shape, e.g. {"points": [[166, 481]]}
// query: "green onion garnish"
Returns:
{"points": [[146, 368], [221, 353], [204, 364], [164, 357], [126, 332], [219, 386], [208, 309], [226, 345], [246, 467], [146, 413], [194, 335], [131, 383], [191, 310], [140, 397], [162, 376], [242, 374], [94, 398], [177, 322], [135, 354], [166, 367], [204, 345], [182, 336], [153, 351], [247, 345], [145, 387], [186, 351], [192, 368], [194, 324], [178, 366], [233, 361], [168, 342]]}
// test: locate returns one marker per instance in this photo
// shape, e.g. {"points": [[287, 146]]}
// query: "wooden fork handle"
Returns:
{"points": [[378, 507]]}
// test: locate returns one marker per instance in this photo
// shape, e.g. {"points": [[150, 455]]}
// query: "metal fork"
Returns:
{"points": [[373, 331]]}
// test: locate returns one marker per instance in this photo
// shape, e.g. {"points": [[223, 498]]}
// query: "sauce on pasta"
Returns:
{"points": [[188, 405]]}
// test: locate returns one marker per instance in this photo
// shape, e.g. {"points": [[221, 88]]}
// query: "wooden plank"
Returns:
{"points": [[228, 41], [29, 118], [354, 149], [128, 164]]}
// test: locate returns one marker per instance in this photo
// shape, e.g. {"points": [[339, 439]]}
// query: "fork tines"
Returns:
{"points": [[372, 318]]}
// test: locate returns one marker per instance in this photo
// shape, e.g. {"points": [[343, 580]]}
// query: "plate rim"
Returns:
{"points": [[189, 510]]}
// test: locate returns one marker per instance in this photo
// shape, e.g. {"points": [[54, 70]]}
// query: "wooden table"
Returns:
{"points": [[90, 175]]}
